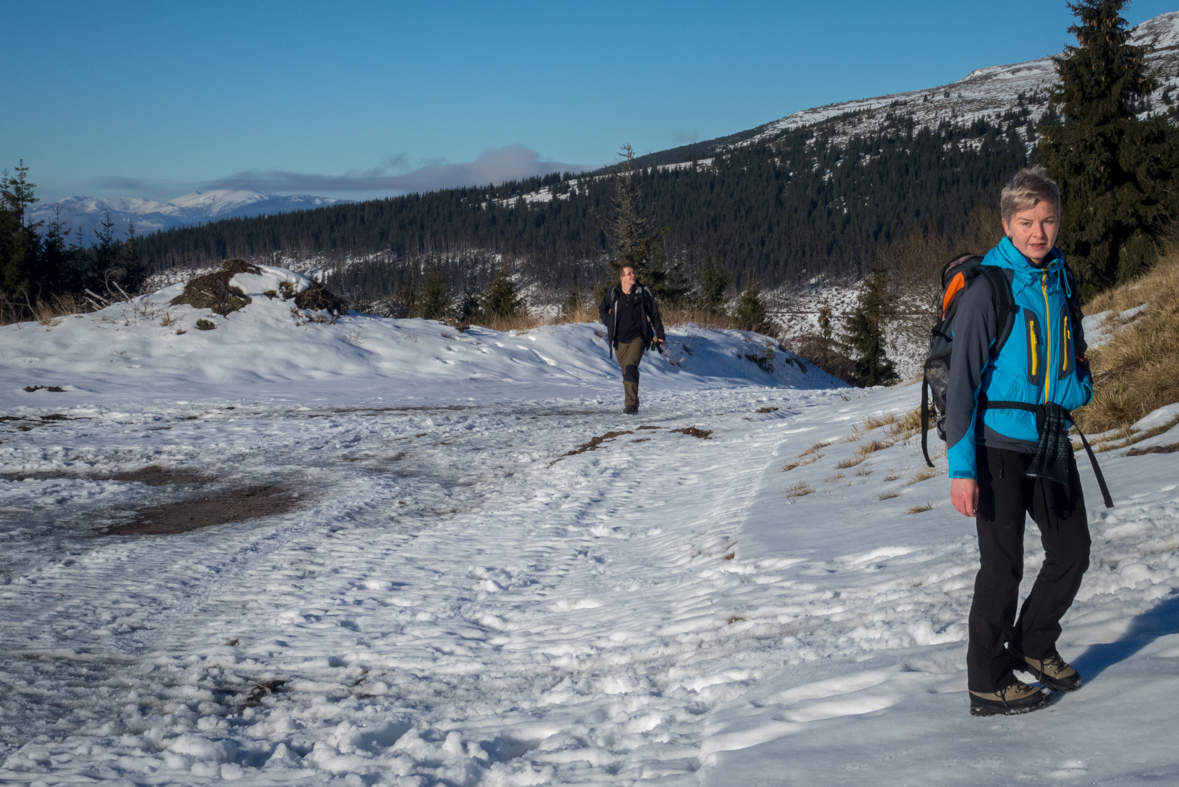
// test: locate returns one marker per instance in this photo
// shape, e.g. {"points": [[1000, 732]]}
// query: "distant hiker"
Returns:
{"points": [[633, 324], [1007, 441]]}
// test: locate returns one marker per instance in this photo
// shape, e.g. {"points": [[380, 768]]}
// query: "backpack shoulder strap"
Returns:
{"points": [[1004, 301]]}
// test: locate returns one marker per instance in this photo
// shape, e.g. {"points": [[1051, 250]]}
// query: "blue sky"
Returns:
{"points": [[363, 99]]}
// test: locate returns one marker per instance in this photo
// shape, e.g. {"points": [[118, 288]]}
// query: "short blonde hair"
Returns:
{"points": [[1029, 186]]}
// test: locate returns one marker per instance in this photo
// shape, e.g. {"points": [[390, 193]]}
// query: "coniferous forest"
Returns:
{"points": [[802, 204]]}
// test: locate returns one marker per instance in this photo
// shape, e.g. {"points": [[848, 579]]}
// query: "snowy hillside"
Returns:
{"points": [[985, 92], [449, 559], [87, 213]]}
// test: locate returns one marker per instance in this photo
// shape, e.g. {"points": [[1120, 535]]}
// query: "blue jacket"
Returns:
{"points": [[1037, 364]]}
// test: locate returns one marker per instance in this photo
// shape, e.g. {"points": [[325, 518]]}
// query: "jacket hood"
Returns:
{"points": [[1005, 255]]}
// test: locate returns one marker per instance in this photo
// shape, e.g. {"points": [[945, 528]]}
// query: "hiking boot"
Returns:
{"points": [[631, 409], [1052, 671], [1019, 697]]}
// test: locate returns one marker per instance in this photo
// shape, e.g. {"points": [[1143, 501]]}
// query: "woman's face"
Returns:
{"points": [[1033, 231]]}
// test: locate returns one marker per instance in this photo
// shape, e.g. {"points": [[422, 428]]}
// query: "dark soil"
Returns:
{"points": [[261, 689], [27, 424], [51, 389], [594, 442], [767, 409], [642, 428], [234, 505], [703, 434], [213, 291], [154, 475], [316, 296]]}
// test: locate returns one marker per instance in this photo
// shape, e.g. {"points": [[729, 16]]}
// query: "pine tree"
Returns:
{"points": [[1113, 169], [130, 273], [627, 230], [407, 293], [751, 314], [501, 298], [865, 333], [18, 239], [435, 295], [106, 251], [713, 283]]}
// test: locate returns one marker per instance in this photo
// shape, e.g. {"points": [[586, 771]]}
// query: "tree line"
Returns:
{"points": [[807, 203], [41, 262]]}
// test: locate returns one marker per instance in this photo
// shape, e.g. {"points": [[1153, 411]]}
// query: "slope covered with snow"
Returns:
{"points": [[985, 92], [483, 574]]}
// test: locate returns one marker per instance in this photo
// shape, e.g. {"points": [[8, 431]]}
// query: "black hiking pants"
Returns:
{"points": [[1006, 496]]}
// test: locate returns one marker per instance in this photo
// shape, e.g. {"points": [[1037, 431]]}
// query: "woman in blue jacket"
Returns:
{"points": [[991, 450]]}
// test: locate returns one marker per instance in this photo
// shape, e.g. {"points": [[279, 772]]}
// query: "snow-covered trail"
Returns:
{"points": [[438, 542], [457, 603], [454, 598]]}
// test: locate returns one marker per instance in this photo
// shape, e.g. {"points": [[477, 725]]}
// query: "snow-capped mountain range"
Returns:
{"points": [[86, 214]]}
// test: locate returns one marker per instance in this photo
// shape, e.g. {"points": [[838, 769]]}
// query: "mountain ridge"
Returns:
{"points": [[85, 214]]}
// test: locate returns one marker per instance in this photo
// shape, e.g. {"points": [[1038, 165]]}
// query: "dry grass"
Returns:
{"points": [[786, 468], [1137, 371], [892, 476], [907, 425], [45, 311], [888, 495], [519, 323], [844, 464], [814, 449], [801, 489], [924, 474], [873, 447], [920, 509], [831, 479], [672, 316], [1126, 437]]}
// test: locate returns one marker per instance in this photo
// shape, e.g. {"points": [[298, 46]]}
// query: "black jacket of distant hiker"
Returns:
{"points": [[641, 319]]}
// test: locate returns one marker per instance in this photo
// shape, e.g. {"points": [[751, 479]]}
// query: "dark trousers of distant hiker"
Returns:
{"points": [[629, 354], [1006, 495]]}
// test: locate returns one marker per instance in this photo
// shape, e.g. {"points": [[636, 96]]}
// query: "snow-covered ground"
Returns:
{"points": [[457, 597]]}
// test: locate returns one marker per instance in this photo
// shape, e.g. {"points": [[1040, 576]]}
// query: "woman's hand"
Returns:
{"points": [[964, 495]]}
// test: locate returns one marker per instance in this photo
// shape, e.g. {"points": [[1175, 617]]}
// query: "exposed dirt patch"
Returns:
{"points": [[51, 388], [1154, 449], [233, 505], [154, 475], [399, 409], [703, 434], [261, 689], [642, 440], [644, 428], [767, 409], [594, 442], [27, 424], [45, 475], [213, 290], [316, 296]]}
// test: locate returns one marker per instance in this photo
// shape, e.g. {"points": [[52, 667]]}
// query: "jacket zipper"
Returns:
{"points": [[1048, 331]]}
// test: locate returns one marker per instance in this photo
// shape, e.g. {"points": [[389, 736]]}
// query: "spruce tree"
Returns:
{"points": [[1113, 169], [865, 333], [636, 245], [713, 283], [751, 314], [435, 301], [502, 298], [130, 272], [18, 239]]}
